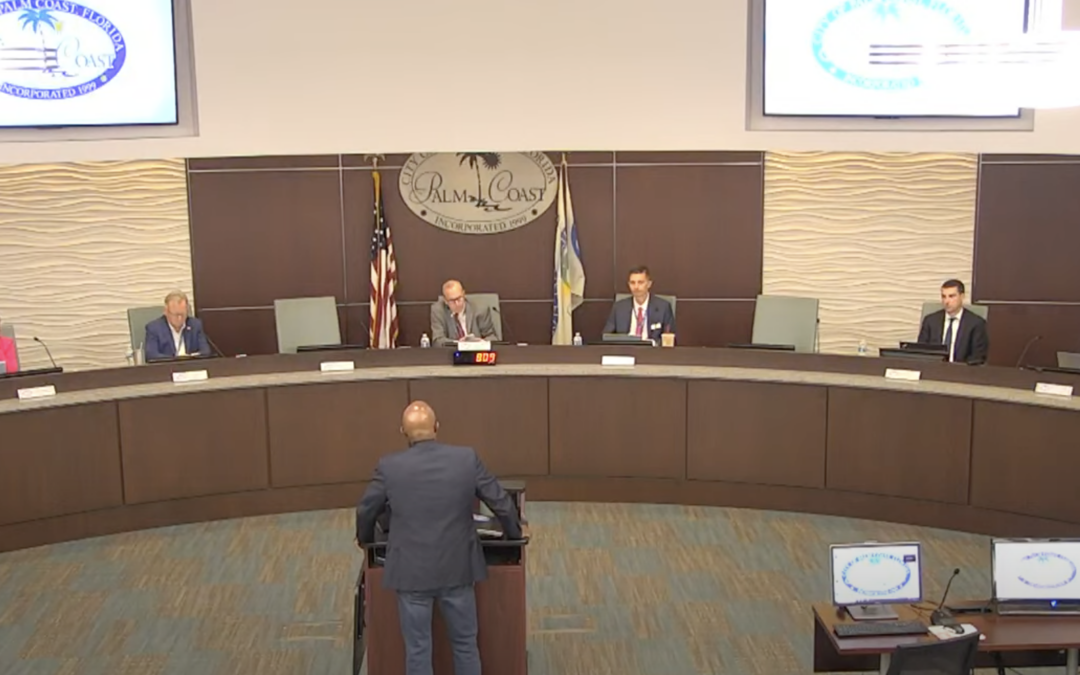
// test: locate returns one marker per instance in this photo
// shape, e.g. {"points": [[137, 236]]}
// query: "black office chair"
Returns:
{"points": [[944, 657]]}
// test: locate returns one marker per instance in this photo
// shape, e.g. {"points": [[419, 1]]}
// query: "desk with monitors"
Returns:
{"points": [[1031, 618]]}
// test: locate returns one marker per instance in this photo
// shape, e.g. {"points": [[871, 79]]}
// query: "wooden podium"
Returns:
{"points": [[500, 609]]}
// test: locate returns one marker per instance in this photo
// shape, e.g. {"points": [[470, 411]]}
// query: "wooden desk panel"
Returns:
{"points": [[59, 461], [500, 613], [756, 432], [618, 426], [504, 418], [194, 444], [897, 443], [1024, 641], [333, 433], [1026, 460], [894, 451]]}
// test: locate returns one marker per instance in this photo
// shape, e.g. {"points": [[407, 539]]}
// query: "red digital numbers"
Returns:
{"points": [[485, 357]]}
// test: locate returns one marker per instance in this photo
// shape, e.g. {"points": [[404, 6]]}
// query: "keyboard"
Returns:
{"points": [[880, 628]]}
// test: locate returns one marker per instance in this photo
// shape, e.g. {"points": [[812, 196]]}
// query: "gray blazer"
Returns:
{"points": [[444, 333], [430, 491]]}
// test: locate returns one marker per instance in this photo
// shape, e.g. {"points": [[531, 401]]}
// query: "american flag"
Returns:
{"points": [[384, 319]]}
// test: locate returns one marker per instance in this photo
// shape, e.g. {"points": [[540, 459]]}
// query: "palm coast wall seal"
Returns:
{"points": [[55, 49], [478, 192]]}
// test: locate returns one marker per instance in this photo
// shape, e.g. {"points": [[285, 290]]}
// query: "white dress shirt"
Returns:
{"points": [[634, 306], [178, 340], [956, 331]]}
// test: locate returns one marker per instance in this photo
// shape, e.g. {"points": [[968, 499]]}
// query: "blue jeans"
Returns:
{"points": [[458, 608]]}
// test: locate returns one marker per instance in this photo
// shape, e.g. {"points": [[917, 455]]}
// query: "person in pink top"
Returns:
{"points": [[7, 354]]}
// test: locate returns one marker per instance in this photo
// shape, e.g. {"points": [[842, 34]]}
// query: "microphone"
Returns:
{"points": [[505, 325], [47, 351], [942, 616], [1023, 353], [213, 346]]}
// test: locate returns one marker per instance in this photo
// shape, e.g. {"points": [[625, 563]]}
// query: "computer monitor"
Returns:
{"points": [[866, 577], [1035, 570]]}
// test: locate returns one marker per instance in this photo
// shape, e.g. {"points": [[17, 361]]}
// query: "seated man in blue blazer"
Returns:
{"points": [[962, 331], [175, 333], [642, 314]]}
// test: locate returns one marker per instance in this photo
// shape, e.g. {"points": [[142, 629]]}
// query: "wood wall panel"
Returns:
{"points": [[1028, 230], [258, 236], [693, 226], [267, 228]]}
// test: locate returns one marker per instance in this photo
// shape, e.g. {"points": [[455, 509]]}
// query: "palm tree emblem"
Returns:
{"points": [[491, 161], [37, 20]]}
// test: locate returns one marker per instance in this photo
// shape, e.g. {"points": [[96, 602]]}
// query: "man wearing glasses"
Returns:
{"points": [[454, 318]]}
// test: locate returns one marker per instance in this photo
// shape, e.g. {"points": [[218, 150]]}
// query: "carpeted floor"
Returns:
{"points": [[613, 589]]}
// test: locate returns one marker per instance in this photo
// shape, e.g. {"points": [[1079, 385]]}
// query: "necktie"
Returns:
{"points": [[949, 336], [640, 322], [458, 320]]}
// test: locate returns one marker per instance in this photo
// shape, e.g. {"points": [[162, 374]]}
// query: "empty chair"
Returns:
{"points": [[786, 320], [1068, 360], [306, 322], [955, 656], [482, 301], [931, 307], [138, 317]]}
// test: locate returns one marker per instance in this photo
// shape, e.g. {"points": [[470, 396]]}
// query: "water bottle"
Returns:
{"points": [[862, 348], [577, 340], [425, 341]]}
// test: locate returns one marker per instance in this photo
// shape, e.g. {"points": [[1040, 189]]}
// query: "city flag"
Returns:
{"points": [[384, 319], [569, 270]]}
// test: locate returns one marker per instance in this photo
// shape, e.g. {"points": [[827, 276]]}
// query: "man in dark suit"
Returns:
{"points": [[962, 331], [642, 314], [175, 333], [433, 551]]}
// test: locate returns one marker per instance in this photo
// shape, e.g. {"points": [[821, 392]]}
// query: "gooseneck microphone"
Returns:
{"points": [[213, 346], [942, 616], [505, 325], [47, 351], [1020, 361]]}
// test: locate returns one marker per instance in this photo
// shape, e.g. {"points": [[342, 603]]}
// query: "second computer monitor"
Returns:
{"points": [[1036, 570], [868, 577]]}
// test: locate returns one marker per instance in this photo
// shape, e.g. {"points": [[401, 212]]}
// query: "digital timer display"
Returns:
{"points": [[487, 358]]}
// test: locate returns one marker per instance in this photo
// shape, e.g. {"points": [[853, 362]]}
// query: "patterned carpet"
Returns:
{"points": [[620, 589]]}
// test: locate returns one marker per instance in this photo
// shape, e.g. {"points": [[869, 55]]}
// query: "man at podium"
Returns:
{"points": [[433, 550]]}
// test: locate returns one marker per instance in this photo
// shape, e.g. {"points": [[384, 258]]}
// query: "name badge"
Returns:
{"points": [[37, 392], [1053, 389], [190, 376], [337, 366], [901, 374]]}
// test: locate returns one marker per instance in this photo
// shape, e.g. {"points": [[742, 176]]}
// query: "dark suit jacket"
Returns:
{"points": [[159, 344], [431, 489], [443, 331], [972, 341], [659, 313]]}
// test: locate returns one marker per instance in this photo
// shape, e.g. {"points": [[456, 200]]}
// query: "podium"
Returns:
{"points": [[500, 610]]}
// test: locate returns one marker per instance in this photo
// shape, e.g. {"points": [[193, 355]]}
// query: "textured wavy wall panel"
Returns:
{"points": [[871, 235], [79, 244]]}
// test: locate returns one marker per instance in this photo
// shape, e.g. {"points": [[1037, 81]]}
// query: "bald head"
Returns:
{"points": [[418, 422], [454, 295]]}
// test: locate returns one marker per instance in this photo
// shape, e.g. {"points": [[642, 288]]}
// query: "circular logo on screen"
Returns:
{"points": [[478, 192], [883, 45], [1046, 570], [875, 574], [51, 50]]}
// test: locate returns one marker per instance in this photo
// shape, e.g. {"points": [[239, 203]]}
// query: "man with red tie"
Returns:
{"points": [[454, 318], [643, 314]]}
